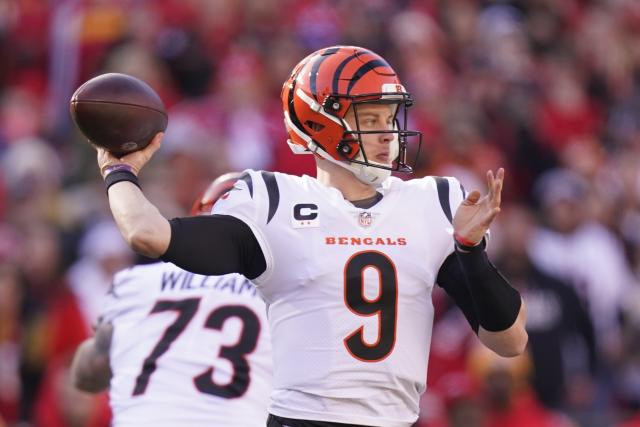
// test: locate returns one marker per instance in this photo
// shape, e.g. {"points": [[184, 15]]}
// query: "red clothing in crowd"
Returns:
{"points": [[66, 329], [524, 411]]}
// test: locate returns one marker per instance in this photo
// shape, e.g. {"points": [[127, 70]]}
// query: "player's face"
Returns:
{"points": [[379, 147]]}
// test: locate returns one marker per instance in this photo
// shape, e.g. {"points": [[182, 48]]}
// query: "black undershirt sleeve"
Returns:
{"points": [[214, 245], [478, 288], [453, 281]]}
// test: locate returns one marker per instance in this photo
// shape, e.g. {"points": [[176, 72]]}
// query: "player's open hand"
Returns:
{"points": [[136, 159], [475, 214]]}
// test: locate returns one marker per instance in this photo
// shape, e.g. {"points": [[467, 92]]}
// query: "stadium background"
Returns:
{"points": [[548, 89]]}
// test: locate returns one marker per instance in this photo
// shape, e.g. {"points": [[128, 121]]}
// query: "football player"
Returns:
{"points": [[177, 348], [346, 262]]}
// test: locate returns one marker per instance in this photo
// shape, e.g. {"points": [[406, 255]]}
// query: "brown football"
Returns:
{"points": [[118, 112]]}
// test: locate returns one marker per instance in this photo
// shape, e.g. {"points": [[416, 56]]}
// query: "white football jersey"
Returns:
{"points": [[348, 291], [187, 350]]}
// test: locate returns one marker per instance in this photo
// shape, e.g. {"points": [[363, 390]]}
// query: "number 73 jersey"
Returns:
{"points": [[348, 291], [187, 350]]}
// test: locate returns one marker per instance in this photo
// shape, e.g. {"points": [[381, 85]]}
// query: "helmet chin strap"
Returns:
{"points": [[369, 175], [372, 174]]}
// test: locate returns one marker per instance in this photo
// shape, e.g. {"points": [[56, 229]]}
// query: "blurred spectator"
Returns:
{"points": [[20, 117], [567, 112], [190, 68], [32, 173], [191, 156], [559, 327], [102, 253], [627, 377], [576, 248], [573, 247], [10, 335], [40, 263], [244, 102], [627, 220], [508, 399]]}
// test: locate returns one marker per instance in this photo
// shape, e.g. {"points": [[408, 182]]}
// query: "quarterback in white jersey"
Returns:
{"points": [[348, 292], [180, 349], [346, 261]]}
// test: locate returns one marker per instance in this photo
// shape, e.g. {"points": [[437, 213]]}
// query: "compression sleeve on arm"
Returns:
{"points": [[496, 302], [453, 281], [215, 245], [478, 288]]}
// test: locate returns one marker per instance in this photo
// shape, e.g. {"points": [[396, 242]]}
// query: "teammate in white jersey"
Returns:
{"points": [[345, 262], [184, 349]]}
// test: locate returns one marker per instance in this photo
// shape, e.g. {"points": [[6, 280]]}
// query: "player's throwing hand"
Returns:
{"points": [[135, 160]]}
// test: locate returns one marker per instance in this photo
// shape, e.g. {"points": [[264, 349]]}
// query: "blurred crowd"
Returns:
{"points": [[548, 89]]}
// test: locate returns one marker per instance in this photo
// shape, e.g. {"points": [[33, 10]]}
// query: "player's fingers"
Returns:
{"points": [[157, 139], [137, 159], [155, 143], [472, 198], [103, 155], [490, 183], [152, 147], [100, 152], [497, 188], [105, 160]]}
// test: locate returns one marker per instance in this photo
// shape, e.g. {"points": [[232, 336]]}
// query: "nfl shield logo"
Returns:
{"points": [[365, 219]]}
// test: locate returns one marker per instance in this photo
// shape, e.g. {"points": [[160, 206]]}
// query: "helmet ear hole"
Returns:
{"points": [[315, 126], [348, 149], [345, 148], [332, 105]]}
